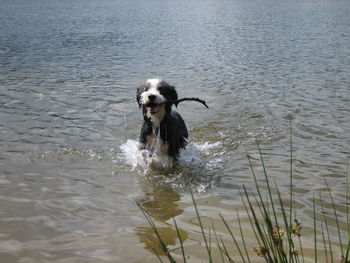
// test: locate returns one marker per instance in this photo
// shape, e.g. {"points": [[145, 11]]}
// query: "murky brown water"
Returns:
{"points": [[70, 175]]}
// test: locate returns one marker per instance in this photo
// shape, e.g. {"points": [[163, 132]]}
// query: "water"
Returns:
{"points": [[70, 174]]}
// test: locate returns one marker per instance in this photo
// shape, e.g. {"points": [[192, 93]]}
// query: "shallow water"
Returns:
{"points": [[70, 173]]}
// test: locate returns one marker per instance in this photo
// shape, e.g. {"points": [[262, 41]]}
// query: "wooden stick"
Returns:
{"points": [[176, 102]]}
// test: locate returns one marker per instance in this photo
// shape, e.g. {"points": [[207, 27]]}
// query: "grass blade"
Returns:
{"points": [[264, 212], [233, 237], [241, 231], [346, 259], [315, 234], [154, 251], [226, 252], [347, 203], [336, 218], [202, 228], [263, 237], [268, 185], [162, 244], [291, 174], [328, 236], [347, 199], [298, 233], [181, 243], [250, 220], [301, 249], [287, 227], [324, 243], [217, 242]]}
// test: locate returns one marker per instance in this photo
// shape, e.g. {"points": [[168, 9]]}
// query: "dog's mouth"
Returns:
{"points": [[153, 108]]}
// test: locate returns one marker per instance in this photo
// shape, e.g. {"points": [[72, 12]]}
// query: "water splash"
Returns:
{"points": [[143, 159], [197, 166], [192, 155], [132, 155]]}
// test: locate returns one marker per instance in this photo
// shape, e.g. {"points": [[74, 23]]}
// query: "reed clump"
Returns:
{"points": [[277, 234]]}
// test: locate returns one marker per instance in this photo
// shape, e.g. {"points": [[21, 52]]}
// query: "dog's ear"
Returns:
{"points": [[173, 94], [139, 90], [168, 92]]}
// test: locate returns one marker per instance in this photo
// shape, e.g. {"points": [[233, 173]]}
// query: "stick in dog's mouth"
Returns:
{"points": [[153, 108], [176, 102]]}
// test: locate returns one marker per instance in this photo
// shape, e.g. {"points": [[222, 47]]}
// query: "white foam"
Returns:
{"points": [[143, 159], [197, 167], [191, 156], [132, 155], [207, 147]]}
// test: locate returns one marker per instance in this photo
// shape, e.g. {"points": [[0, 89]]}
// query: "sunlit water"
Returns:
{"points": [[70, 170]]}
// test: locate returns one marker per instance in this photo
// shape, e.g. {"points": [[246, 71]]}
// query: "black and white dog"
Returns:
{"points": [[156, 98]]}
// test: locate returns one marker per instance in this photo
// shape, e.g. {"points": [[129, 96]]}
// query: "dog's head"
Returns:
{"points": [[154, 97]]}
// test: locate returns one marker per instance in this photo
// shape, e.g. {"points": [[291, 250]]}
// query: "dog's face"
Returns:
{"points": [[153, 97]]}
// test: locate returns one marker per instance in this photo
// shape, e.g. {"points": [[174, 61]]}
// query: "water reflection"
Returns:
{"points": [[160, 203], [169, 237], [68, 81]]}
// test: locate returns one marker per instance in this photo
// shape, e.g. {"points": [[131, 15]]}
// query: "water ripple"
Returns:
{"points": [[68, 77]]}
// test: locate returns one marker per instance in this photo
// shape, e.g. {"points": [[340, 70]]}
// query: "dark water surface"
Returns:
{"points": [[69, 170]]}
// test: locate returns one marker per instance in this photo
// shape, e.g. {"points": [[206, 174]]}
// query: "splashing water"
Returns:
{"points": [[132, 155], [196, 164], [143, 158]]}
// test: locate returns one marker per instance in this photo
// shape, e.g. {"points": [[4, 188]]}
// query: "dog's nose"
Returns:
{"points": [[152, 97]]}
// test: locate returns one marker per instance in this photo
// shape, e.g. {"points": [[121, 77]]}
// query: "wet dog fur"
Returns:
{"points": [[154, 97]]}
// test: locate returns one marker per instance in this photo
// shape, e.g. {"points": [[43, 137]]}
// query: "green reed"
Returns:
{"points": [[277, 235]]}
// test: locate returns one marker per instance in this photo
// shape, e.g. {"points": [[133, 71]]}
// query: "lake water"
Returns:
{"points": [[70, 173]]}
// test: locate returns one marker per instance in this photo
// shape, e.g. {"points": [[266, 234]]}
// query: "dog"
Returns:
{"points": [[163, 131]]}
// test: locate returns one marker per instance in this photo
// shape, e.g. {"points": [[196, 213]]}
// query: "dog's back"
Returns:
{"points": [[173, 131]]}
